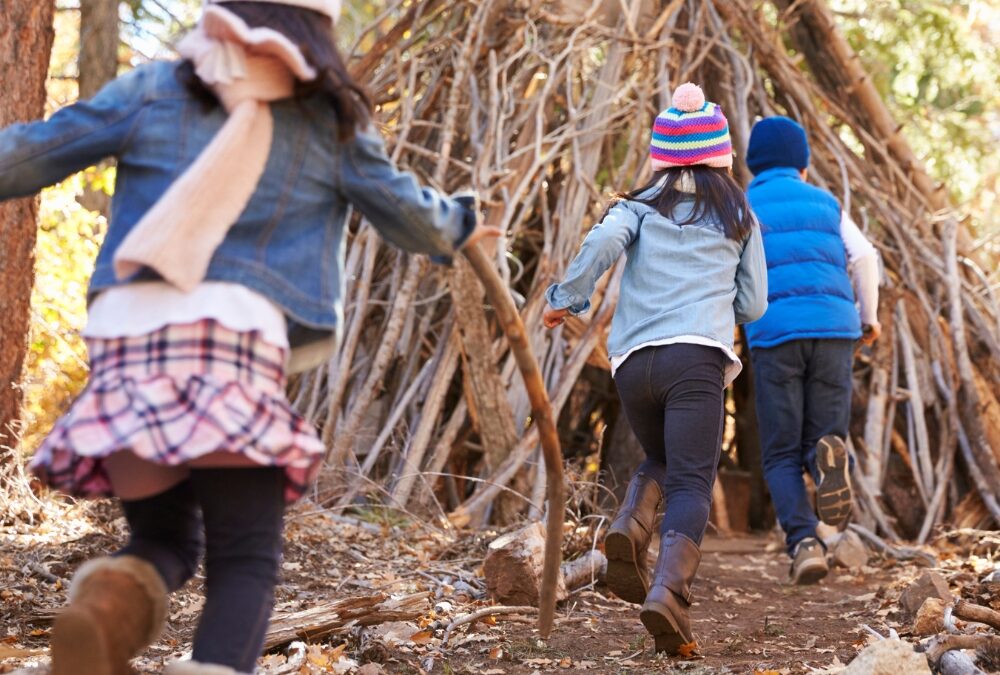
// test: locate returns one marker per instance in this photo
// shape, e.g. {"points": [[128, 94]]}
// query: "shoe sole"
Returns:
{"points": [[810, 573], [623, 576], [78, 647], [665, 634], [833, 495]]}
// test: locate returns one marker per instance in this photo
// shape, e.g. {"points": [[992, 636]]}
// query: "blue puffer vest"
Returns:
{"points": [[809, 290]]}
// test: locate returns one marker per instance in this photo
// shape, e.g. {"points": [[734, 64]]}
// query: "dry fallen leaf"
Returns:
{"points": [[422, 637], [688, 650]]}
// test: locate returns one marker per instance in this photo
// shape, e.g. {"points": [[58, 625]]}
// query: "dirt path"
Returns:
{"points": [[747, 617]]}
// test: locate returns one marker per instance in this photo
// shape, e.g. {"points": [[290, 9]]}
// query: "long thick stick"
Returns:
{"points": [[541, 414]]}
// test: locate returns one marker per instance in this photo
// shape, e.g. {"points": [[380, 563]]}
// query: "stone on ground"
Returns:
{"points": [[929, 585], [850, 551], [888, 657], [930, 617]]}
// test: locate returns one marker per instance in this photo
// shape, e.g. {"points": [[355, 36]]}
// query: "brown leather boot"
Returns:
{"points": [[627, 541], [665, 614], [117, 607]]}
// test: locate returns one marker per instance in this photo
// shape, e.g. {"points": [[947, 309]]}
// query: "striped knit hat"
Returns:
{"points": [[691, 132]]}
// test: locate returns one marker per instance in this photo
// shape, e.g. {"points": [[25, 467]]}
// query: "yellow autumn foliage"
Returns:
{"points": [[69, 237]]}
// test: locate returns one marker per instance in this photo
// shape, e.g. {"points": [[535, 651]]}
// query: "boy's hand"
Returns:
{"points": [[554, 317], [482, 232], [870, 332]]}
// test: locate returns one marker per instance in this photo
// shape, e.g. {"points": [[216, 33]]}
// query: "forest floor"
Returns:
{"points": [[747, 617]]}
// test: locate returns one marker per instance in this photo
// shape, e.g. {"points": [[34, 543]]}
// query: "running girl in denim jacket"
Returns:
{"points": [[236, 168], [694, 269]]}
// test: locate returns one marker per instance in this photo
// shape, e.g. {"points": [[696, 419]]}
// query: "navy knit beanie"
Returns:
{"points": [[777, 141]]}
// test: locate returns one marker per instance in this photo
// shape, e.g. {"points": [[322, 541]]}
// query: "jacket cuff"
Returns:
{"points": [[560, 299], [468, 226]]}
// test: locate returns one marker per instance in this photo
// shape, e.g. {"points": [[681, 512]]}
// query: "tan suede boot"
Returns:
{"points": [[117, 607], [665, 614], [627, 541]]}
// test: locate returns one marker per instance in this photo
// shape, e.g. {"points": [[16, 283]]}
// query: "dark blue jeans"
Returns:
{"points": [[235, 516], [803, 390], [672, 396]]}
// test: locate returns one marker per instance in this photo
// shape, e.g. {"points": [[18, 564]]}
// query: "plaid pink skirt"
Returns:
{"points": [[175, 395]]}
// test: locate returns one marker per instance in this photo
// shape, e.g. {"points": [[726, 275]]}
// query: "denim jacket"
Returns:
{"points": [[678, 279], [289, 242]]}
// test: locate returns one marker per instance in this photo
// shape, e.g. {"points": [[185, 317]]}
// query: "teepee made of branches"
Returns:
{"points": [[544, 109]]}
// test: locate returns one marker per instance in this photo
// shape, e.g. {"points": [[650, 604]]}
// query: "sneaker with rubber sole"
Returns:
{"points": [[808, 563], [833, 494]]}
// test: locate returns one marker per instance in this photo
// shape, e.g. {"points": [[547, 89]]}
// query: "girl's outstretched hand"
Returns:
{"points": [[482, 232], [554, 317]]}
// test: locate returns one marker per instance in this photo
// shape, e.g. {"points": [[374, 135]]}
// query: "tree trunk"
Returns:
{"points": [[835, 64], [25, 45], [98, 63]]}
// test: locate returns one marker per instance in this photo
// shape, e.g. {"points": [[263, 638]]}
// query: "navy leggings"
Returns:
{"points": [[235, 516], [673, 396]]}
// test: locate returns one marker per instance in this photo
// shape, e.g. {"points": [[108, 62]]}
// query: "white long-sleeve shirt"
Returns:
{"points": [[862, 260]]}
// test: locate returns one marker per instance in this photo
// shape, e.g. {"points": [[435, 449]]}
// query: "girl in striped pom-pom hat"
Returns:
{"points": [[690, 133], [222, 270], [694, 269]]}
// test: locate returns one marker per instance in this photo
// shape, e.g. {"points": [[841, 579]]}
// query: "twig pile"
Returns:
{"points": [[544, 109]]}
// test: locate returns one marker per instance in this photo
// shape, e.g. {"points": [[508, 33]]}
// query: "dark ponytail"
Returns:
{"points": [[716, 194], [312, 32]]}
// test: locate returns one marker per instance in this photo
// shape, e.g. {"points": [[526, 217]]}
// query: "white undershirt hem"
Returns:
{"points": [[733, 368], [142, 308]]}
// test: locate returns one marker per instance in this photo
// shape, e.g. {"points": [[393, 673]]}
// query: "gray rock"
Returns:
{"points": [[888, 657]]}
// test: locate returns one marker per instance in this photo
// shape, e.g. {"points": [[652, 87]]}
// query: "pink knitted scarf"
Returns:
{"points": [[247, 69]]}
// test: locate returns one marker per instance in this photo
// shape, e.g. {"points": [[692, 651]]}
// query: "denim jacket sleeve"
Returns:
{"points": [[38, 154], [751, 279], [411, 217], [605, 242]]}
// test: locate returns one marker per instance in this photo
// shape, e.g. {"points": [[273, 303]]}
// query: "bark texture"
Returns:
{"points": [[25, 45], [98, 62]]}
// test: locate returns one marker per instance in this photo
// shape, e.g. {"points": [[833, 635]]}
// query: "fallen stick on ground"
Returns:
{"points": [[479, 614], [937, 647], [967, 611], [897, 552], [324, 619]]}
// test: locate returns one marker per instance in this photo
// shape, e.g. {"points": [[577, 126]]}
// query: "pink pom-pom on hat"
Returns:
{"points": [[691, 132], [689, 97]]}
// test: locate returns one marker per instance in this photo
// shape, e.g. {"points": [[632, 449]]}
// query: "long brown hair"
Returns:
{"points": [[716, 194], [312, 32]]}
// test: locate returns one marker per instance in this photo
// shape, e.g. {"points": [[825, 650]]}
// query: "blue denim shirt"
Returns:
{"points": [[678, 280], [289, 242]]}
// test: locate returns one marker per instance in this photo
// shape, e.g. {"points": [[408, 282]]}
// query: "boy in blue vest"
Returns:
{"points": [[802, 349]]}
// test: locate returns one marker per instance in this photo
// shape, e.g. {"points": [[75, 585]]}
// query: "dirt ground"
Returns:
{"points": [[748, 618]]}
